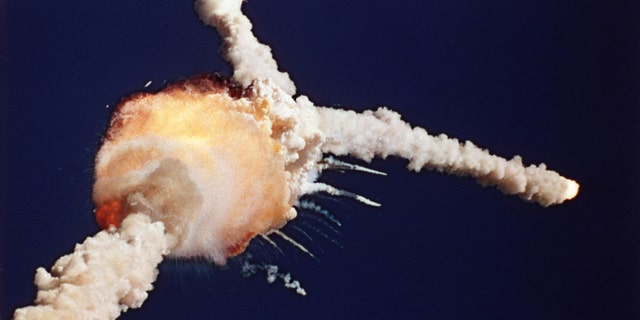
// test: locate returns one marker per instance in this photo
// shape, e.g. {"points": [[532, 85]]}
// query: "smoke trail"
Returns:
{"points": [[383, 133], [250, 59], [104, 276]]}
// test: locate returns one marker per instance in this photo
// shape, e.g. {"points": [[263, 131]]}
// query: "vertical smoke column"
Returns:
{"points": [[251, 59]]}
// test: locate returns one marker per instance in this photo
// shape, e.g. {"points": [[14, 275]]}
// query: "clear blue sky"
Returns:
{"points": [[553, 81]]}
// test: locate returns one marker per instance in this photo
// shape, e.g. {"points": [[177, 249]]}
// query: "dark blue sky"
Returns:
{"points": [[553, 81]]}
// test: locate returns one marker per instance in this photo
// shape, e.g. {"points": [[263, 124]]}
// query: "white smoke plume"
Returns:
{"points": [[382, 133], [250, 59], [104, 276]]}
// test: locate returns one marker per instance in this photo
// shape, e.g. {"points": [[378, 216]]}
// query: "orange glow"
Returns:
{"points": [[109, 213], [240, 246]]}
